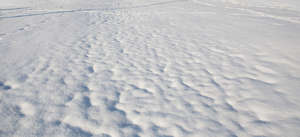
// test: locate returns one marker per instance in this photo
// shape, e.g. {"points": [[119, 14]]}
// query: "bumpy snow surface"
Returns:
{"points": [[149, 68]]}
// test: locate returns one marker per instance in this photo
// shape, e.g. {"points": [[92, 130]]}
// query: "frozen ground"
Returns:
{"points": [[149, 68]]}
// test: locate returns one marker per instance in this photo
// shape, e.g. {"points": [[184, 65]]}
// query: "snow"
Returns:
{"points": [[149, 68]]}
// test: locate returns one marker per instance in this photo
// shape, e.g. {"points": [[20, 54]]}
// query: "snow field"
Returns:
{"points": [[150, 68]]}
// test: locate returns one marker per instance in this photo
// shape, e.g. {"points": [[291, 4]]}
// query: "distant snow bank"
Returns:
{"points": [[265, 3], [290, 4], [51, 3], [5, 3], [285, 4]]}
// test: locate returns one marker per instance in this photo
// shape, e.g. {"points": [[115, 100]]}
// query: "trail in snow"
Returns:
{"points": [[149, 68]]}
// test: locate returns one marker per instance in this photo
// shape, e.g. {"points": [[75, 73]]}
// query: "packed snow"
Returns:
{"points": [[149, 68]]}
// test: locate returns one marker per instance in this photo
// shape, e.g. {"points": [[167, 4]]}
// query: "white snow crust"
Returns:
{"points": [[149, 68]]}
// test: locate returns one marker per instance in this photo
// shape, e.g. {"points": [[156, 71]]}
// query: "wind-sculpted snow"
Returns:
{"points": [[129, 68]]}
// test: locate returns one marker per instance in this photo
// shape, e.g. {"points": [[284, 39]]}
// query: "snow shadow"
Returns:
{"points": [[8, 9], [86, 10], [76, 131], [4, 87]]}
